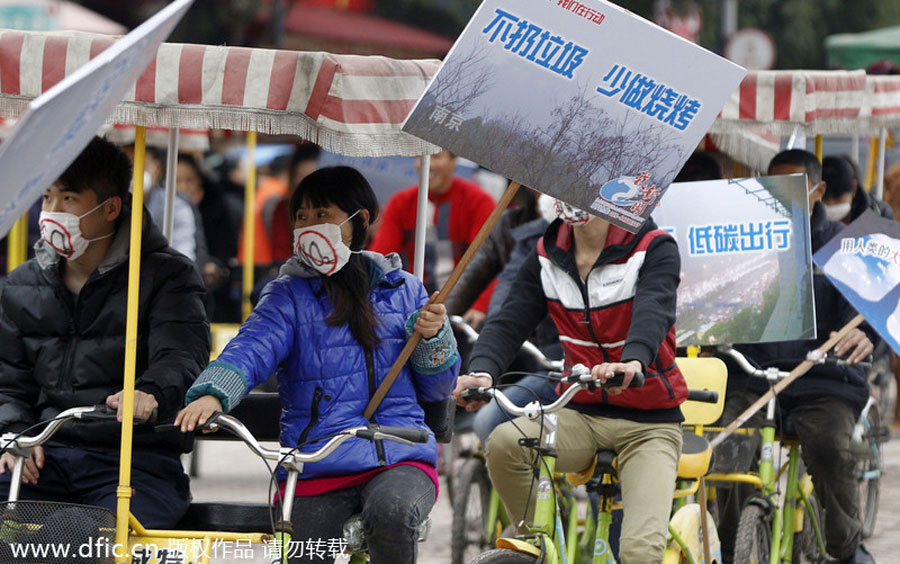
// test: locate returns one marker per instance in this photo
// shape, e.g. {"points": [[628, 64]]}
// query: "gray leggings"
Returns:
{"points": [[392, 505]]}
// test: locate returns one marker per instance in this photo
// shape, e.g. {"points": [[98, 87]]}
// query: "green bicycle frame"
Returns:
{"points": [[496, 515], [785, 518], [547, 521]]}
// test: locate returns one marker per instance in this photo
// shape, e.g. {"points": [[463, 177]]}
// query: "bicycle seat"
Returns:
{"points": [[604, 463], [786, 432], [696, 454]]}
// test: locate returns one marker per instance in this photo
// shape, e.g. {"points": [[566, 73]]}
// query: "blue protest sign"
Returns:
{"points": [[863, 262]]}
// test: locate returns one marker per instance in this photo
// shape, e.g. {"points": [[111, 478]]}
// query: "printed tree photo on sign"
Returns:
{"points": [[746, 265], [863, 263], [554, 96]]}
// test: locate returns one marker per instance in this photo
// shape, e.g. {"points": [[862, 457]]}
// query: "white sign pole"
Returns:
{"points": [[878, 192], [171, 177], [421, 225]]}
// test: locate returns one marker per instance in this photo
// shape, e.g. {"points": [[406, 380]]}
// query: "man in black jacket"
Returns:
{"points": [[825, 403], [844, 200], [62, 344]]}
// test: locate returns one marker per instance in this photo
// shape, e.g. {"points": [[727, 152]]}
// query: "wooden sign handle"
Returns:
{"points": [[800, 370], [483, 233]]}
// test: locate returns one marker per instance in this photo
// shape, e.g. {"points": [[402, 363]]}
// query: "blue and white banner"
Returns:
{"points": [[60, 123], [863, 262], [746, 265], [580, 100]]}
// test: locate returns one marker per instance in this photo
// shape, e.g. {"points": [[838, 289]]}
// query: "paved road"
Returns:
{"points": [[229, 471]]}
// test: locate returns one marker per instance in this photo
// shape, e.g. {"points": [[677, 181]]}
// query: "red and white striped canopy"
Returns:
{"points": [[348, 104], [817, 102]]}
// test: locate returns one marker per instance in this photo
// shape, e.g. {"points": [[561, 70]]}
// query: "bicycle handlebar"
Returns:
{"points": [[99, 412], [773, 373], [580, 377], [705, 396], [288, 455], [411, 435]]}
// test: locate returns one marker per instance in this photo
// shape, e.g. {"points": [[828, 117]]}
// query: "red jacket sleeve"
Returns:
{"points": [[479, 216], [389, 237]]}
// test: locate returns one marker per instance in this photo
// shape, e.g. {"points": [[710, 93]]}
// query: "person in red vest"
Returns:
{"points": [[611, 295], [457, 209]]}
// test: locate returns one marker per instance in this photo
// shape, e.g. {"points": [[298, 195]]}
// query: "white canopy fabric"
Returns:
{"points": [[818, 102], [772, 104], [348, 104]]}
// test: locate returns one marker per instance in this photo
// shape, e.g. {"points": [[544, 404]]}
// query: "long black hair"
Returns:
{"points": [[347, 289]]}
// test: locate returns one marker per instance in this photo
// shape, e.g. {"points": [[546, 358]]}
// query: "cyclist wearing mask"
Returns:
{"points": [[611, 295], [828, 397], [62, 344], [330, 326], [843, 199]]}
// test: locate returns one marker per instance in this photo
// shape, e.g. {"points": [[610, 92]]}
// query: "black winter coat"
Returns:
{"points": [[833, 311], [59, 350]]}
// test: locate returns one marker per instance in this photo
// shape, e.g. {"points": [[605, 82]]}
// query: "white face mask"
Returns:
{"points": [[321, 247], [62, 231], [547, 208], [837, 212], [572, 215]]}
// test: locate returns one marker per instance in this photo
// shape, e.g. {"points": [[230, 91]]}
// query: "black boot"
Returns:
{"points": [[861, 556]]}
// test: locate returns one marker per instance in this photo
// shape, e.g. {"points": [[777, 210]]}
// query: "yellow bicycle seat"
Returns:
{"points": [[696, 454], [607, 461]]}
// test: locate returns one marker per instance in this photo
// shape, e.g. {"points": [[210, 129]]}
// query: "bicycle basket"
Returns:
{"points": [[39, 532]]}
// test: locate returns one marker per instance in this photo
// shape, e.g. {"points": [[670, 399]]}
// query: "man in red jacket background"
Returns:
{"points": [[457, 209]]}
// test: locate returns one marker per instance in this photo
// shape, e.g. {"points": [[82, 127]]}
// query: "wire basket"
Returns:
{"points": [[40, 532]]}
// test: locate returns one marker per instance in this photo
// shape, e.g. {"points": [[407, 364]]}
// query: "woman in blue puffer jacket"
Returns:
{"points": [[330, 326]]}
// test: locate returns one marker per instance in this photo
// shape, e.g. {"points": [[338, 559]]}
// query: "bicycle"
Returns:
{"points": [[478, 515], [23, 519], [773, 528], [549, 541]]}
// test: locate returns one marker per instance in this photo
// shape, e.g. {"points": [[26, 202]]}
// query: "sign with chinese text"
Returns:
{"points": [[580, 100], [863, 262], [61, 122], [746, 265]]}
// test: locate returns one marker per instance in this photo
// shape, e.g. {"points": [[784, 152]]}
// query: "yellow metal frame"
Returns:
{"points": [[249, 225], [747, 478], [17, 244], [870, 164], [126, 522], [124, 492]]}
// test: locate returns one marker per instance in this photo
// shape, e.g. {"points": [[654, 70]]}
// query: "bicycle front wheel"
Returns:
{"points": [[753, 540], [868, 471], [470, 511], [503, 556]]}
